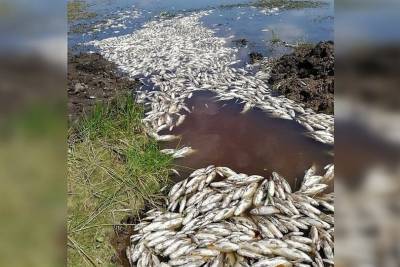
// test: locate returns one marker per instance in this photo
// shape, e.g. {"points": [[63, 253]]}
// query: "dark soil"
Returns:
{"points": [[120, 240], [121, 237], [240, 42], [307, 76], [255, 56], [91, 79]]}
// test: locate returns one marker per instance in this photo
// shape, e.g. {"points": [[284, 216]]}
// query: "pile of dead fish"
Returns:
{"points": [[175, 57], [218, 217], [115, 22]]}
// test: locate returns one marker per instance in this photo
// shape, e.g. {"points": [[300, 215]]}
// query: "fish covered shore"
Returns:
{"points": [[128, 97]]}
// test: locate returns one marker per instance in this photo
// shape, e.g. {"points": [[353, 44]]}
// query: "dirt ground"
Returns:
{"points": [[120, 240], [307, 76], [91, 79]]}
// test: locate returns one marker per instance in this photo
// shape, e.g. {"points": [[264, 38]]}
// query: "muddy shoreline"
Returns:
{"points": [[93, 79], [307, 76]]}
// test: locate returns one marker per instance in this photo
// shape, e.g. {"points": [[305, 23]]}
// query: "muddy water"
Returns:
{"points": [[252, 143]]}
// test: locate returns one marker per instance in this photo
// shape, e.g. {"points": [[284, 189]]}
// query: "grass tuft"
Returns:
{"points": [[114, 168], [275, 38], [281, 4], [288, 4], [77, 10]]}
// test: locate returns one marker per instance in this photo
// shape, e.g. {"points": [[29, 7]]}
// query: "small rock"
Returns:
{"points": [[79, 87], [255, 56], [240, 42]]}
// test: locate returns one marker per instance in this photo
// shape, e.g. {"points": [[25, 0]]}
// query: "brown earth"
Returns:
{"points": [[307, 76], [92, 79], [120, 240]]}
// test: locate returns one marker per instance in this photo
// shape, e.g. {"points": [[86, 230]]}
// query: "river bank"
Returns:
{"points": [[92, 79], [306, 76], [114, 167]]}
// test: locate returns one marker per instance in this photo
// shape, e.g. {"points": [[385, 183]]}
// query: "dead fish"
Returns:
{"points": [[292, 254], [183, 152], [167, 138], [264, 210], [226, 246], [244, 204], [212, 234], [273, 262]]}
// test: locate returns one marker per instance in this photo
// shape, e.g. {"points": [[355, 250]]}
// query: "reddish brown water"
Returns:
{"points": [[252, 143]]}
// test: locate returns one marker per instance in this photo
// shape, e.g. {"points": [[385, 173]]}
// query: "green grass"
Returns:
{"points": [[114, 168], [282, 4], [287, 4], [77, 10], [275, 38]]}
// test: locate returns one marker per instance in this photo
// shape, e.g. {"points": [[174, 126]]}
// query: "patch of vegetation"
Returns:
{"points": [[287, 4], [275, 38], [234, 5], [303, 48], [240, 42], [167, 14], [77, 10], [114, 168], [80, 28], [282, 4]]}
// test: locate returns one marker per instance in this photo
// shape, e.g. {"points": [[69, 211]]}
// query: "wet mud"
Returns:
{"points": [[307, 76], [120, 240], [252, 143], [91, 79]]}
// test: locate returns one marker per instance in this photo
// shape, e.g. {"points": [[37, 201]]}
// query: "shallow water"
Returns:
{"points": [[252, 143], [299, 25]]}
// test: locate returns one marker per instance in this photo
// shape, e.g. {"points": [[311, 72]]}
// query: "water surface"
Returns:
{"points": [[252, 143], [291, 26]]}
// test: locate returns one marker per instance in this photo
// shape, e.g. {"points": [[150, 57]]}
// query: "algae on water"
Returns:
{"points": [[77, 10]]}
